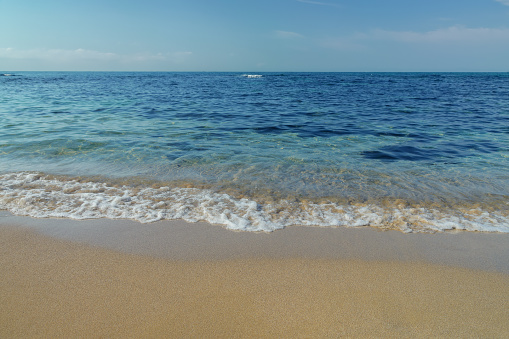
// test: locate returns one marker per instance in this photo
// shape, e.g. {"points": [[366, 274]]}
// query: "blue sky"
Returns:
{"points": [[255, 35]]}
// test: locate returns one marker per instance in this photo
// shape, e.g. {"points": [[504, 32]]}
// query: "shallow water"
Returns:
{"points": [[407, 151]]}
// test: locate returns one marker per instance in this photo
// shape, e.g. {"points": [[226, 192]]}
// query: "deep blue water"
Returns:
{"points": [[411, 151]]}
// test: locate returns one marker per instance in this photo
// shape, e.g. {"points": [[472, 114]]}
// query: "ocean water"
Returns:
{"points": [[416, 152]]}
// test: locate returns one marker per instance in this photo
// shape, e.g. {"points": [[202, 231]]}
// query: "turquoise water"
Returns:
{"points": [[408, 151]]}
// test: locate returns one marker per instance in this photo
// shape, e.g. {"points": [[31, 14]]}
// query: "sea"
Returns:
{"points": [[414, 152]]}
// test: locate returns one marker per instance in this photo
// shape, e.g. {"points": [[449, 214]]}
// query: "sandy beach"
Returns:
{"points": [[103, 278]]}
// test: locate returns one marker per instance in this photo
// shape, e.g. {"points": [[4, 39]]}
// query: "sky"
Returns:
{"points": [[255, 35]]}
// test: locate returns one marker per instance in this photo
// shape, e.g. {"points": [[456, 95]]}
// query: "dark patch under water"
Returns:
{"points": [[445, 151], [355, 137]]}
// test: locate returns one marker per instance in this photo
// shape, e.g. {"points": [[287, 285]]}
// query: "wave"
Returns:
{"points": [[40, 195], [252, 75]]}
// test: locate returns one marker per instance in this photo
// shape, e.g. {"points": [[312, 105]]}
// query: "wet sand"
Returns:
{"points": [[103, 278]]}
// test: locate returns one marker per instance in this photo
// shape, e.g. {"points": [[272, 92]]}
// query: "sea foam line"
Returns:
{"points": [[252, 75], [38, 195]]}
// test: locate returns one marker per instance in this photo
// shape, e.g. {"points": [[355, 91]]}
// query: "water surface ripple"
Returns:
{"points": [[410, 151]]}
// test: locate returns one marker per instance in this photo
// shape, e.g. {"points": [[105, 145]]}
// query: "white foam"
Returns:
{"points": [[252, 75], [37, 195]]}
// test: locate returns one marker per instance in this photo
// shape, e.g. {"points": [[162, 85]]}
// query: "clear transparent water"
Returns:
{"points": [[411, 151]]}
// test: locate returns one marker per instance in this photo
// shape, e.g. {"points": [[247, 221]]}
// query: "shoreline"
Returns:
{"points": [[146, 200], [116, 278], [181, 240]]}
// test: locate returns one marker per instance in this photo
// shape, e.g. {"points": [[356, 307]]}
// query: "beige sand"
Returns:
{"points": [[176, 239], [55, 288]]}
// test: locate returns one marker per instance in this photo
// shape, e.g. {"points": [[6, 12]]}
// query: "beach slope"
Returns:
{"points": [[51, 287]]}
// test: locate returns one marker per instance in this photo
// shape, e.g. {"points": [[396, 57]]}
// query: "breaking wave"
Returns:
{"points": [[40, 195]]}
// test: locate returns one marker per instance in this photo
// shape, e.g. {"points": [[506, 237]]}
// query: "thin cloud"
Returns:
{"points": [[318, 3], [56, 54], [455, 35], [144, 57], [450, 34], [503, 2], [352, 43], [288, 35], [444, 19], [80, 54]]}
